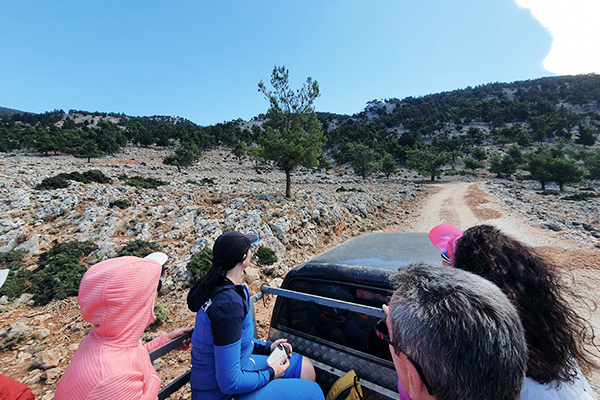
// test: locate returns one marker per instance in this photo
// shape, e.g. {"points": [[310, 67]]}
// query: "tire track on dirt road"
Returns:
{"points": [[448, 206]]}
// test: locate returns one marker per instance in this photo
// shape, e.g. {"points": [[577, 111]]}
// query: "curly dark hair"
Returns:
{"points": [[557, 336]]}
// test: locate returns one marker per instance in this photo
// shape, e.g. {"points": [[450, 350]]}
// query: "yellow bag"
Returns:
{"points": [[346, 388]]}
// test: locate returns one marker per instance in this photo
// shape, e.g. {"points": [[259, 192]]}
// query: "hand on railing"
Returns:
{"points": [[179, 339], [178, 332]]}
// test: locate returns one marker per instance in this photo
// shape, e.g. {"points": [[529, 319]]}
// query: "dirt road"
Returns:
{"points": [[465, 204], [448, 206]]}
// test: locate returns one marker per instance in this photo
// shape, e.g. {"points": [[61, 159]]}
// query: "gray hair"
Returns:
{"points": [[461, 330]]}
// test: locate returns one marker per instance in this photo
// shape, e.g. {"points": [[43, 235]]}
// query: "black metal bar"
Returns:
{"points": [[174, 386], [325, 301], [171, 345], [253, 300]]}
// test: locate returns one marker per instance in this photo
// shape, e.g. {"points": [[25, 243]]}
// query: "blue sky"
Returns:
{"points": [[203, 60]]}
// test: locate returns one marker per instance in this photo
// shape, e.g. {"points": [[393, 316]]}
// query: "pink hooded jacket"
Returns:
{"points": [[117, 297]]}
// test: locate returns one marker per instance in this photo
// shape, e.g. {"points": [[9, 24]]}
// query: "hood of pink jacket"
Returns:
{"points": [[117, 297]]}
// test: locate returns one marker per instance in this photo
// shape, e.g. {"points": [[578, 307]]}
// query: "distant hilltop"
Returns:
{"points": [[10, 111]]}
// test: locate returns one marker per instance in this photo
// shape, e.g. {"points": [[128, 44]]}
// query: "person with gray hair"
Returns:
{"points": [[453, 336]]}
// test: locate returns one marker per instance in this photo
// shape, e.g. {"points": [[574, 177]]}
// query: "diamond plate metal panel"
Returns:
{"points": [[341, 360]]}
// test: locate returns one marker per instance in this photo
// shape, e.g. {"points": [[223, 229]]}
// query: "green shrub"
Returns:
{"points": [[343, 189], [61, 180], [17, 277], [59, 271], [161, 314], [95, 175], [581, 196], [121, 203], [258, 180], [265, 256], [550, 193], [57, 276], [12, 259], [73, 176], [139, 248], [200, 264], [52, 183], [207, 181], [145, 183], [461, 172]]}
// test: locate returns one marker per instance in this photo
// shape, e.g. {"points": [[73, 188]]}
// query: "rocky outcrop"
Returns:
{"points": [[576, 221]]}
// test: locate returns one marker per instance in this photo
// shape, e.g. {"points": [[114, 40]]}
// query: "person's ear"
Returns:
{"points": [[246, 260], [416, 388]]}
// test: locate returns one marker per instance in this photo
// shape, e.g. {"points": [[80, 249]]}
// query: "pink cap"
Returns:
{"points": [[444, 237]]}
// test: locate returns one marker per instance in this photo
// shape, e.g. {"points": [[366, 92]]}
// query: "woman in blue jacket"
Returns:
{"points": [[227, 362]]}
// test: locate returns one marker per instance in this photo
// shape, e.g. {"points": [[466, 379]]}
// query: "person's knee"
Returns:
{"points": [[308, 370], [301, 389], [314, 392]]}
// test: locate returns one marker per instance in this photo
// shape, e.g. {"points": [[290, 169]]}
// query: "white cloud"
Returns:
{"points": [[575, 28]]}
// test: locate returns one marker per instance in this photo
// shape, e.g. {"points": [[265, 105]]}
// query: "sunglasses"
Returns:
{"points": [[162, 272], [446, 258], [381, 330]]}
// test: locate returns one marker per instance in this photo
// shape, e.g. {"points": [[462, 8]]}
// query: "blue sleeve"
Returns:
{"points": [[231, 378], [226, 319], [261, 347]]}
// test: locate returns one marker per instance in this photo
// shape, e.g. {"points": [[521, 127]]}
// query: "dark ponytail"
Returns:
{"points": [[216, 276]]}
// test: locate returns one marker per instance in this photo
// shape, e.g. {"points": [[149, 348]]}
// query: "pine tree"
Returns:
{"points": [[293, 135]]}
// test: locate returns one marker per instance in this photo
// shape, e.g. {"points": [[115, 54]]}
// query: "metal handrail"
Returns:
{"points": [[161, 351], [325, 301]]}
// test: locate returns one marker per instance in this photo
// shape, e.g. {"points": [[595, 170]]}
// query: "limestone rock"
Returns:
{"points": [[25, 298], [200, 244], [17, 329], [31, 246], [280, 227], [51, 375], [185, 222], [10, 224], [210, 227]]}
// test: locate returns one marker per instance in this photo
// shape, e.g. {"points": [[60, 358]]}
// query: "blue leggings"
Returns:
{"points": [[290, 387]]}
